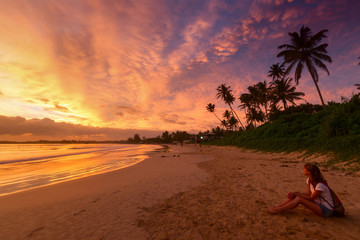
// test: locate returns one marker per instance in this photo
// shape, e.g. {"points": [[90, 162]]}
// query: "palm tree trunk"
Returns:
{"points": [[232, 110], [316, 85], [318, 89], [217, 117]]}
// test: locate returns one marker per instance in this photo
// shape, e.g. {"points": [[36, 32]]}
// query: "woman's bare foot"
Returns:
{"points": [[273, 210]]}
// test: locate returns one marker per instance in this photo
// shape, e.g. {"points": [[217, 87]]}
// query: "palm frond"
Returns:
{"points": [[321, 56], [288, 70], [314, 40], [320, 64], [295, 39], [287, 53], [210, 107], [321, 48], [312, 70]]}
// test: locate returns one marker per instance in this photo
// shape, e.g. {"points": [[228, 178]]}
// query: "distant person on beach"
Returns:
{"points": [[317, 197]]}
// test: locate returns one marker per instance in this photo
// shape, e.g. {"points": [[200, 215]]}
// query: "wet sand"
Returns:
{"points": [[188, 193], [103, 206]]}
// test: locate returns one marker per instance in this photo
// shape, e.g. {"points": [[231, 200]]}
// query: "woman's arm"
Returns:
{"points": [[311, 197], [306, 195], [308, 192]]}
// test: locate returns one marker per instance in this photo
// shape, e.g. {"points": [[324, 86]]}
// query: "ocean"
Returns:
{"points": [[26, 166]]}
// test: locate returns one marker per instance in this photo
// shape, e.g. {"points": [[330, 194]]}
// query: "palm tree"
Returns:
{"points": [[359, 62], [227, 114], [233, 122], [224, 93], [247, 100], [263, 95], [218, 131], [224, 124], [274, 108], [251, 101], [254, 115], [306, 51], [283, 91], [211, 108], [276, 71]]}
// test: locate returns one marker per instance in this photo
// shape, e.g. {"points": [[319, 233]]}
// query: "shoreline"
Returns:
{"points": [[73, 179], [89, 174]]}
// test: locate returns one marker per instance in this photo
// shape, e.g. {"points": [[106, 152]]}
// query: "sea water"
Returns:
{"points": [[26, 166]]}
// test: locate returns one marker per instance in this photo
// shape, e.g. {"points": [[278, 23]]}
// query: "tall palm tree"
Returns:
{"points": [[276, 71], [224, 93], [284, 91], [211, 108], [304, 50]]}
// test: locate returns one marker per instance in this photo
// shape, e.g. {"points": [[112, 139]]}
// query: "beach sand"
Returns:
{"points": [[188, 193]]}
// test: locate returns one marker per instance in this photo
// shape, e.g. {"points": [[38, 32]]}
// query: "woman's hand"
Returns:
{"points": [[292, 195]]}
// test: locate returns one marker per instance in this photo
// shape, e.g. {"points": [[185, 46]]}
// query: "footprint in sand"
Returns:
{"points": [[34, 231], [75, 214]]}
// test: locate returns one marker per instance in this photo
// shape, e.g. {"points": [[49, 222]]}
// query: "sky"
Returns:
{"points": [[104, 70]]}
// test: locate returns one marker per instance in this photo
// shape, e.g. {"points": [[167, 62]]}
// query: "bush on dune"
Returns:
{"points": [[334, 130]]}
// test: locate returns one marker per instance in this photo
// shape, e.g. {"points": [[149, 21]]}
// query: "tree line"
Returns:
{"points": [[166, 137]]}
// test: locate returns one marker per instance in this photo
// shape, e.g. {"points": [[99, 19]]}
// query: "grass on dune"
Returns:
{"points": [[333, 131]]}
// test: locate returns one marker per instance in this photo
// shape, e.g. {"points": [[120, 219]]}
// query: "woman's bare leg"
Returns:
{"points": [[295, 202], [284, 203], [312, 206], [274, 209]]}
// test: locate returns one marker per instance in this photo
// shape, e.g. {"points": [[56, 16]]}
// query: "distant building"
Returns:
{"points": [[207, 136]]}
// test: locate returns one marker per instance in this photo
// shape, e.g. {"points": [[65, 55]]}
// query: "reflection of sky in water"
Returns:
{"points": [[25, 166]]}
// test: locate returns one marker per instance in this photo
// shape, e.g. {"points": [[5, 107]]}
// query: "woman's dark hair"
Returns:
{"points": [[315, 173]]}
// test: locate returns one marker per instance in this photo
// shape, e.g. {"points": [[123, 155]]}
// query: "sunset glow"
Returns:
{"points": [[107, 69]]}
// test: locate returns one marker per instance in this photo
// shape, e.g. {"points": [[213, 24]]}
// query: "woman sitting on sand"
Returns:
{"points": [[317, 197]]}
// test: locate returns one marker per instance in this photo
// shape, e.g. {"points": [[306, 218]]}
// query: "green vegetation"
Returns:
{"points": [[166, 137], [334, 131]]}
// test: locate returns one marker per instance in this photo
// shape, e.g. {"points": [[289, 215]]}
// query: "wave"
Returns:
{"points": [[51, 155], [46, 165]]}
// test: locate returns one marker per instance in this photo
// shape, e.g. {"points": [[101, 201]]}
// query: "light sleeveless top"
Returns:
{"points": [[325, 194]]}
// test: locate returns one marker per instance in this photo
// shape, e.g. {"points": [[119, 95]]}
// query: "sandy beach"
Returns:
{"points": [[185, 193]]}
